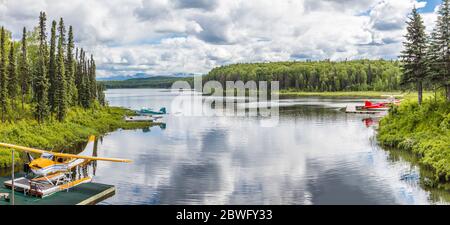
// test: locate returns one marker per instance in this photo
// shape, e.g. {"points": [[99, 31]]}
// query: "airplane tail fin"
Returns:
{"points": [[163, 110], [367, 103]]}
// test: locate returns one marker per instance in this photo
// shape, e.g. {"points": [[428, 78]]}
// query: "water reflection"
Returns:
{"points": [[316, 155]]}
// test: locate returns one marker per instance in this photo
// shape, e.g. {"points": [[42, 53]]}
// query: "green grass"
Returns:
{"points": [[80, 123], [351, 94], [422, 130]]}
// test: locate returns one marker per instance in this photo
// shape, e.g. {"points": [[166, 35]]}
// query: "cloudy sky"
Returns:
{"points": [[164, 37]]}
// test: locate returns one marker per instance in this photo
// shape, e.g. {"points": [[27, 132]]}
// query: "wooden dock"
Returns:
{"points": [[83, 194]]}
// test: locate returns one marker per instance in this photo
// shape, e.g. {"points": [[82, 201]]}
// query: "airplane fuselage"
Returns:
{"points": [[43, 166]]}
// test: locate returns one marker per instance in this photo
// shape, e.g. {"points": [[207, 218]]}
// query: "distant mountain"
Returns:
{"points": [[183, 75], [141, 75], [145, 82], [123, 77]]}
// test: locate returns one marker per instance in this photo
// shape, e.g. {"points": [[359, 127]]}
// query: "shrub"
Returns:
{"points": [[424, 130]]}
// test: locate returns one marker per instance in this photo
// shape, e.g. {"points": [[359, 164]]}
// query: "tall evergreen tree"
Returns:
{"points": [[3, 75], [79, 76], [60, 80], [439, 53], [24, 76], [52, 69], [83, 80], [85, 83], [70, 70], [414, 56], [13, 82], [92, 79], [101, 94], [41, 82]]}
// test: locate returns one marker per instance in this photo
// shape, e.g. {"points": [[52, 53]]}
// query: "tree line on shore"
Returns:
{"points": [[354, 75], [47, 77], [426, 58]]}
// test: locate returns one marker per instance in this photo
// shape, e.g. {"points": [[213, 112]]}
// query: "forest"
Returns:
{"points": [[354, 75], [49, 96], [44, 79]]}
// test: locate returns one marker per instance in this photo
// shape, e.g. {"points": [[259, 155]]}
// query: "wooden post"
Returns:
{"points": [[12, 181]]}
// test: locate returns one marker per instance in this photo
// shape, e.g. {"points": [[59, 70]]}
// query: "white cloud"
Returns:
{"points": [[172, 36]]}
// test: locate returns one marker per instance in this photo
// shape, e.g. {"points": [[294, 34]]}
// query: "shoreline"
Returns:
{"points": [[56, 135], [423, 132], [331, 94], [352, 94], [438, 190], [337, 94], [346, 94]]}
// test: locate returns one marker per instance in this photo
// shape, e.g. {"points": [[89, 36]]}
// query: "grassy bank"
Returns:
{"points": [[77, 127], [424, 131], [349, 94], [353, 94]]}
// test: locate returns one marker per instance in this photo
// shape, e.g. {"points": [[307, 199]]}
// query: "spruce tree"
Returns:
{"points": [[439, 53], [70, 70], [52, 69], [92, 79], [13, 82], [60, 80], [24, 77], [3, 75], [79, 77], [101, 94], [41, 110], [414, 55], [83, 79], [85, 83]]}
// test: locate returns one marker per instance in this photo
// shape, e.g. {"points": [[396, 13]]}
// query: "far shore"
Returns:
{"points": [[334, 94], [353, 94]]}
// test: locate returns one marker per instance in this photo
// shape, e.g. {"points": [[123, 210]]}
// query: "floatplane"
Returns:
{"points": [[147, 115], [384, 105], [370, 107], [54, 172], [149, 111]]}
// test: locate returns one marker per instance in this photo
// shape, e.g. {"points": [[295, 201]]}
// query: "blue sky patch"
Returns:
{"points": [[431, 5]]}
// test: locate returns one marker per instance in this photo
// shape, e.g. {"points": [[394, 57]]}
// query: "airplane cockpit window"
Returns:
{"points": [[47, 156]]}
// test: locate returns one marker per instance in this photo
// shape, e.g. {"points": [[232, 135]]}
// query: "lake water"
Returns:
{"points": [[315, 155]]}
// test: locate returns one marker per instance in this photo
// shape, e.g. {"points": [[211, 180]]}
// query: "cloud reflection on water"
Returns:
{"points": [[316, 155]]}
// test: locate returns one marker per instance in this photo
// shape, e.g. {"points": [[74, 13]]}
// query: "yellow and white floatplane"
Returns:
{"points": [[53, 172]]}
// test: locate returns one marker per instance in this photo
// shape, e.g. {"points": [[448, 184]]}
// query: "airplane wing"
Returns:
{"points": [[63, 155]]}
